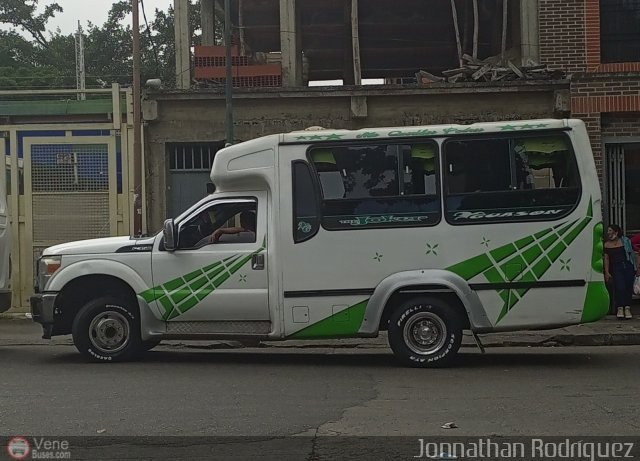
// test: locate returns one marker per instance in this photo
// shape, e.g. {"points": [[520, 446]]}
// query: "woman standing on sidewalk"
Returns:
{"points": [[620, 263]]}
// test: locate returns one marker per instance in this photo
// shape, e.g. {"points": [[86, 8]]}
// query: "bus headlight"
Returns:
{"points": [[47, 266]]}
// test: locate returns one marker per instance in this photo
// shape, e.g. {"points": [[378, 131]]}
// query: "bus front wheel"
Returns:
{"points": [[425, 332], [107, 329]]}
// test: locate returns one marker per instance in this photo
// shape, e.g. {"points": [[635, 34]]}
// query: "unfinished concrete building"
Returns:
{"points": [[351, 40]]}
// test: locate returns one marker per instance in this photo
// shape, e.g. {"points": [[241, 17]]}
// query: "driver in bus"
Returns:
{"points": [[245, 233]]}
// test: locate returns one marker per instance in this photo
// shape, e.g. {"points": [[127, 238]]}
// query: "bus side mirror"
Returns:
{"points": [[211, 188], [169, 235]]}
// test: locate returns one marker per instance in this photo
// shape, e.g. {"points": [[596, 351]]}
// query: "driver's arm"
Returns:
{"points": [[227, 230]]}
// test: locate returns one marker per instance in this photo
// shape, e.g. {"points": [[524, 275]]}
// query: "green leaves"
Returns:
{"points": [[21, 14], [47, 59]]}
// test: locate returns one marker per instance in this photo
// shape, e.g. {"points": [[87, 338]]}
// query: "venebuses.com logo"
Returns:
{"points": [[18, 448]]}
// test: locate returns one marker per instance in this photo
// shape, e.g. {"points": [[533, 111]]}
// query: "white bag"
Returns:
{"points": [[636, 286]]}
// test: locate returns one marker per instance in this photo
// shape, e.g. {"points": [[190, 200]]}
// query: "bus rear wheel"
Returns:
{"points": [[425, 332]]}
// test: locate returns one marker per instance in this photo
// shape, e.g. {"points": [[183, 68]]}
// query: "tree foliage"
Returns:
{"points": [[46, 59], [22, 14]]}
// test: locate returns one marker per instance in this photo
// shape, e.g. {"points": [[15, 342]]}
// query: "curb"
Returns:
{"points": [[566, 340], [17, 316], [598, 339], [621, 339]]}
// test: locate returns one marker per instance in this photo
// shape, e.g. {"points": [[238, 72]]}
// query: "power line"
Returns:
{"points": [[153, 43]]}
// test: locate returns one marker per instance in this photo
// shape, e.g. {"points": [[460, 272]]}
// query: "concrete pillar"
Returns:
{"points": [[290, 44], [208, 18], [355, 37], [348, 77], [183, 42], [529, 31]]}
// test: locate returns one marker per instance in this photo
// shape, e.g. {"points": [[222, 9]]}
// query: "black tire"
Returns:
{"points": [[149, 344], [107, 330], [442, 334]]}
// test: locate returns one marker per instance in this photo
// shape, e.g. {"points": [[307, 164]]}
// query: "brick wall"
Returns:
{"points": [[606, 93], [621, 125], [563, 34], [609, 104], [592, 122]]}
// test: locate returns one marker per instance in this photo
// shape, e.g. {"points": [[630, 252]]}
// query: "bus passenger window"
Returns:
{"points": [[519, 178], [378, 185]]}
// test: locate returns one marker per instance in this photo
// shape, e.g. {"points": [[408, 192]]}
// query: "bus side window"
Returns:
{"points": [[374, 185], [549, 161], [508, 179]]}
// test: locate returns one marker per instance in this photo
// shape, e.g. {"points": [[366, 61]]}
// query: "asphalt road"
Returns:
{"points": [[48, 389]]}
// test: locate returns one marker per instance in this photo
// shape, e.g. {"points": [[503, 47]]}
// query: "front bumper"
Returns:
{"points": [[42, 311]]}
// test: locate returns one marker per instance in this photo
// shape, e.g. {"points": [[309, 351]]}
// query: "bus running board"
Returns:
{"points": [[478, 342], [219, 327]]}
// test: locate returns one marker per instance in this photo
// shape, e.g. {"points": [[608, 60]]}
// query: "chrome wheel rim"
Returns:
{"points": [[109, 332], [425, 333]]}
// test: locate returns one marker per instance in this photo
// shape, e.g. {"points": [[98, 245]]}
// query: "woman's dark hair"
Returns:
{"points": [[617, 229]]}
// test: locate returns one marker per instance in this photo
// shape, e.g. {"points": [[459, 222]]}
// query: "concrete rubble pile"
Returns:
{"points": [[492, 69]]}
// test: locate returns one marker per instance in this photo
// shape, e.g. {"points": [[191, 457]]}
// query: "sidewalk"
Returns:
{"points": [[606, 332]]}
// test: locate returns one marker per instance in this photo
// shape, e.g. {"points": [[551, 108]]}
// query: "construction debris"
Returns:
{"points": [[492, 69]]}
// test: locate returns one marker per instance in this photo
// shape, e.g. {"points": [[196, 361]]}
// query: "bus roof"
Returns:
{"points": [[311, 136]]}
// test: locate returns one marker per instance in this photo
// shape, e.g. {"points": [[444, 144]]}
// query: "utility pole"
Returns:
{"points": [[80, 69], [229, 82], [137, 135]]}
